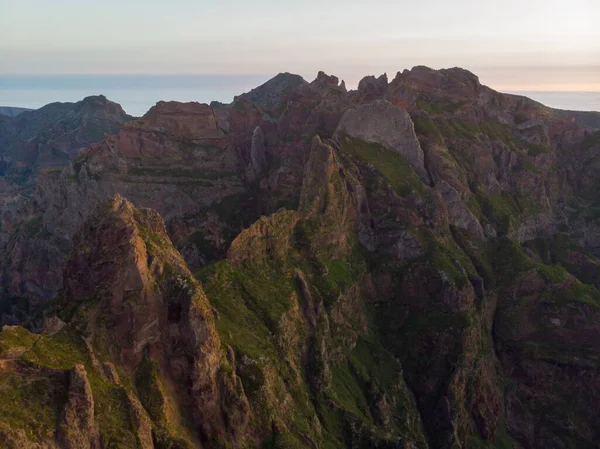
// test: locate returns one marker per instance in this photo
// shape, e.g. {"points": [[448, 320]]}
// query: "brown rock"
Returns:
{"points": [[77, 428], [143, 424], [151, 304], [383, 123]]}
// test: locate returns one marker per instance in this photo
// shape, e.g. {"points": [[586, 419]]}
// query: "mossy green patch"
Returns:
{"points": [[477, 251], [426, 129], [506, 210], [15, 339], [578, 292], [249, 303], [63, 351], [508, 259], [439, 108], [33, 401], [443, 254], [591, 140], [391, 165], [150, 390], [554, 274], [113, 412]]}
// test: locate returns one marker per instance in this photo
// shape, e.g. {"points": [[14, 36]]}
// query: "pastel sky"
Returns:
{"points": [[510, 44]]}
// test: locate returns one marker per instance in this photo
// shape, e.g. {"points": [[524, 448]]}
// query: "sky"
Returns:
{"points": [[510, 44]]}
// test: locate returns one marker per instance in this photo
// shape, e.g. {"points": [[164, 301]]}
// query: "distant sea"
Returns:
{"points": [[573, 101], [138, 93], [135, 93]]}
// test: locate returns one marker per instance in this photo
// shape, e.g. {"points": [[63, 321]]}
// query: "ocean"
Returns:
{"points": [[135, 93], [138, 93], [573, 101]]}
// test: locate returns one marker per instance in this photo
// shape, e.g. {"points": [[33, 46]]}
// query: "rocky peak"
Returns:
{"points": [[446, 85], [382, 122], [147, 303], [463, 76], [100, 103], [271, 95], [77, 428], [191, 120], [324, 80], [371, 84], [258, 160]]}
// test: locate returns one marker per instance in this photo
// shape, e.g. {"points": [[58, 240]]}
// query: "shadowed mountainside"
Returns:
{"points": [[10, 111]]}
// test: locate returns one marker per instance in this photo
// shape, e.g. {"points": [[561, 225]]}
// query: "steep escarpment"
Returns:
{"points": [[298, 276], [50, 136], [411, 264], [37, 144], [142, 329]]}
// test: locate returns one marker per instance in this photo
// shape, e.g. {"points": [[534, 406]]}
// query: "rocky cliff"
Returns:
{"points": [[37, 144], [412, 264]]}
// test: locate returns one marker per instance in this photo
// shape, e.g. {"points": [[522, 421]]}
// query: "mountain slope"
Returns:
{"points": [[412, 264], [11, 111]]}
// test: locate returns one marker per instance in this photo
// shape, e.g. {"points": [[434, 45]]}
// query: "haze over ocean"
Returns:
{"points": [[138, 93], [135, 93]]}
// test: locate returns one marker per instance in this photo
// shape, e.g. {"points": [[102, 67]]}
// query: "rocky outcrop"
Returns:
{"points": [[151, 304], [328, 81], [459, 214], [56, 132], [270, 97], [372, 85], [34, 144], [383, 123], [193, 121], [77, 427], [258, 160], [142, 423]]}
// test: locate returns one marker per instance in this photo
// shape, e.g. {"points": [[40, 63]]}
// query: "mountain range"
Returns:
{"points": [[412, 264]]}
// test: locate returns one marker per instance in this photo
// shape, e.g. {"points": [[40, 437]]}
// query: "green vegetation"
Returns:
{"points": [[479, 254], [439, 108], [501, 210], [443, 254], [15, 339], [554, 274], [34, 402], [63, 351], [391, 165], [508, 259], [150, 390], [250, 302], [591, 140], [578, 292], [426, 128]]}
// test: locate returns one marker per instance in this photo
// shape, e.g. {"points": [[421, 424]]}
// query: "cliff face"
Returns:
{"points": [[33, 145], [412, 264], [139, 323]]}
